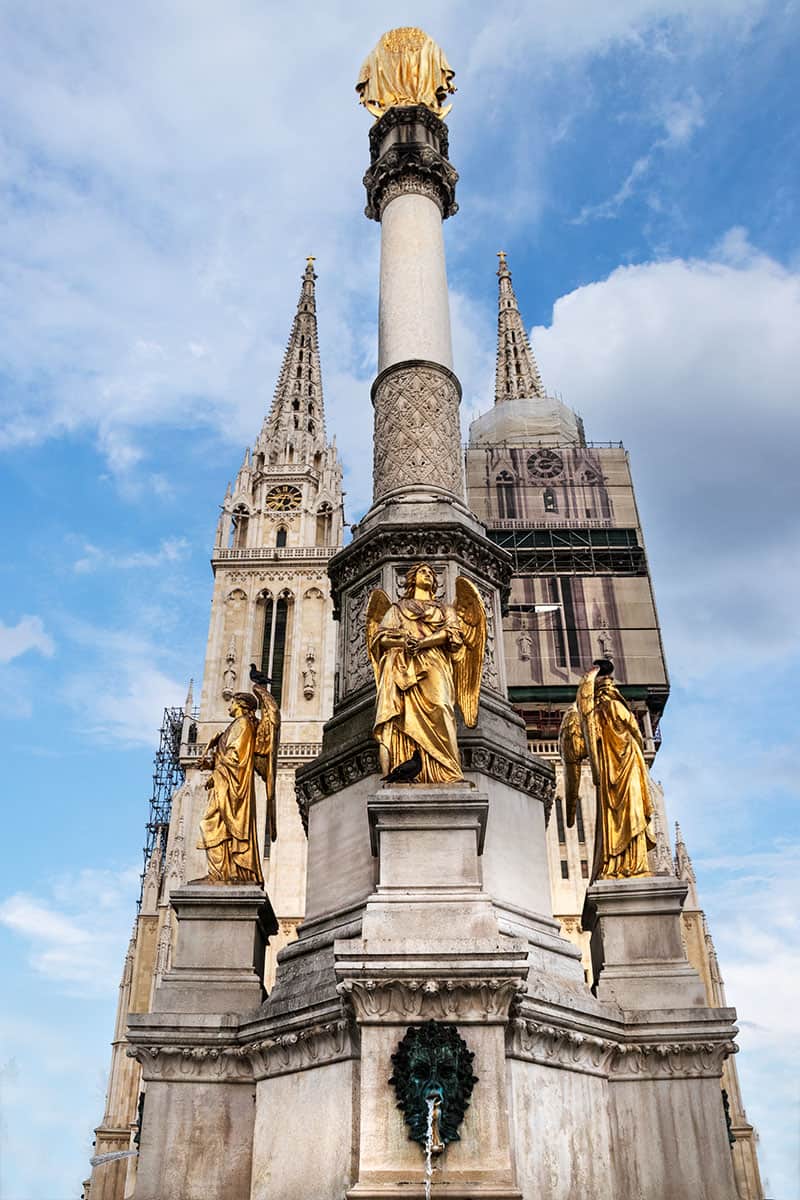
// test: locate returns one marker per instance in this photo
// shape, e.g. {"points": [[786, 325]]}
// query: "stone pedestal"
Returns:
{"points": [[218, 963], [197, 1126], [638, 955], [431, 950]]}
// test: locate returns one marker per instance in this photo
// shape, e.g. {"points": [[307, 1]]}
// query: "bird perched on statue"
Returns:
{"points": [[406, 771], [257, 676]]}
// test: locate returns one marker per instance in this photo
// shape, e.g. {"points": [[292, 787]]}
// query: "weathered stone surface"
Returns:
{"points": [[637, 952]]}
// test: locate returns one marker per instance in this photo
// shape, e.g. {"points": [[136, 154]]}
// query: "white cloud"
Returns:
{"points": [[171, 550], [696, 363], [119, 692], [28, 634], [75, 934]]}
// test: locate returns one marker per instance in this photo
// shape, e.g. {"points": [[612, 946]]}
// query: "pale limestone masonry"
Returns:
{"points": [[281, 521]]}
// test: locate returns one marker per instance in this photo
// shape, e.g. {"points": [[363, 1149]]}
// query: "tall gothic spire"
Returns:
{"points": [[297, 415], [518, 376]]}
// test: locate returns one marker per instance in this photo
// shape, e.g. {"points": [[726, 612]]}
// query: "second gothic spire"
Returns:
{"points": [[517, 376]]}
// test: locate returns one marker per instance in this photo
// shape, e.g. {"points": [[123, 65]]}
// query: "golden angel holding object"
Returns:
{"points": [[405, 68], [228, 828], [426, 656], [601, 727]]}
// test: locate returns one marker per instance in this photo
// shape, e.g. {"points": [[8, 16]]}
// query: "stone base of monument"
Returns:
{"points": [[197, 1126], [638, 956], [430, 950], [218, 964]]}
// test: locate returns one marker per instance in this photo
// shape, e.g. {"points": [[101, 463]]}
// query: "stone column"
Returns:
{"points": [[410, 190]]}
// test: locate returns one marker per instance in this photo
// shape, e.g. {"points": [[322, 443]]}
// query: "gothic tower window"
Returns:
{"points": [[275, 642], [239, 524], [550, 504], [506, 499], [324, 522], [280, 537]]}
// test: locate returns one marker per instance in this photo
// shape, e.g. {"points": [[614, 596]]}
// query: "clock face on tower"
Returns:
{"points": [[546, 464], [283, 498]]}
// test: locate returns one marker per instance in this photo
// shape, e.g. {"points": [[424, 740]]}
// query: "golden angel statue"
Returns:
{"points": [[405, 68], [601, 727], [228, 828], [426, 656]]}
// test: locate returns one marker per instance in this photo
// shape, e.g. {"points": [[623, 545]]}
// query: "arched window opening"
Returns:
{"points": [[302, 340], [239, 521], [290, 453], [275, 642], [280, 537], [311, 410], [317, 461], [324, 524], [296, 405], [550, 500], [310, 390], [506, 495], [310, 426], [299, 372], [297, 422]]}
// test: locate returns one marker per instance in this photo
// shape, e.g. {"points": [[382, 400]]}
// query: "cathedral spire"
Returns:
{"points": [[295, 425], [518, 376]]}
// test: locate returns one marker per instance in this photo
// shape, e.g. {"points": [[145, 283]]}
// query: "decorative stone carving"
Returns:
{"points": [[433, 1066], [671, 1060], [229, 674], [411, 163], [309, 674], [164, 949], [357, 668], [417, 430], [333, 777], [207, 1064], [451, 542], [490, 676], [396, 1001], [313, 1046], [570, 1049]]}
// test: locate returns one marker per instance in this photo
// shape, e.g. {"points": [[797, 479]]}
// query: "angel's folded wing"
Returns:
{"points": [[467, 669], [377, 608], [268, 736], [572, 746]]}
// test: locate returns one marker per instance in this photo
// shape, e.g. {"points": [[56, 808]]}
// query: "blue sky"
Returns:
{"points": [[164, 170]]}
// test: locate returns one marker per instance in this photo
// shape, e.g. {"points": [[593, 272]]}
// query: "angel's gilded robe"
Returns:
{"points": [[228, 829], [416, 693], [623, 788]]}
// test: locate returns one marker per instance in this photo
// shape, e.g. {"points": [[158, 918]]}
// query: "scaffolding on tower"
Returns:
{"points": [[168, 774]]}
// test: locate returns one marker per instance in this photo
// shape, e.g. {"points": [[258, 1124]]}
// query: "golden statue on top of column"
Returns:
{"points": [[405, 68]]}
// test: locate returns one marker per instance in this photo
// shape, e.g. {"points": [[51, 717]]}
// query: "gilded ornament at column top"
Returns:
{"points": [[405, 68]]}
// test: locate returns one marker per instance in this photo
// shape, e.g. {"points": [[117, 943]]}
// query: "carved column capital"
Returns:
{"points": [[408, 153]]}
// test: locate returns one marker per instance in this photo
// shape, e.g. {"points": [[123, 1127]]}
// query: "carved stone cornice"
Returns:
{"points": [[301, 1049], [671, 1060], [199, 1064], [396, 1001], [336, 772], [408, 153], [449, 541], [559, 1046], [551, 1046]]}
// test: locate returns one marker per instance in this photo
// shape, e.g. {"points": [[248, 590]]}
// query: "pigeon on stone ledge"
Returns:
{"points": [[404, 772], [259, 677]]}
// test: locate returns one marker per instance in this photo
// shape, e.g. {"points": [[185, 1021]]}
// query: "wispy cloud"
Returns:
{"points": [[28, 634], [74, 934], [93, 558], [679, 119]]}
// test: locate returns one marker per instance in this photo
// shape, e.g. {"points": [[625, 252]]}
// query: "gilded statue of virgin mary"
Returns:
{"points": [[405, 68], [427, 657]]}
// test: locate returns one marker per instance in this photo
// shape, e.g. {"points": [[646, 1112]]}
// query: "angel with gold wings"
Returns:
{"points": [[228, 828], [601, 727], [426, 656]]}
